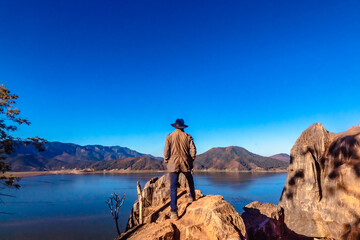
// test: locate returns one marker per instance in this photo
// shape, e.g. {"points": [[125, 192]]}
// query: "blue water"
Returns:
{"points": [[73, 206]]}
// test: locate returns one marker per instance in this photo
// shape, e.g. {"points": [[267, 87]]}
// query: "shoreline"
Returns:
{"points": [[124, 171]]}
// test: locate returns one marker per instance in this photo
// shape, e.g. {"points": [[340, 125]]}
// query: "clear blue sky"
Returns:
{"points": [[247, 73]]}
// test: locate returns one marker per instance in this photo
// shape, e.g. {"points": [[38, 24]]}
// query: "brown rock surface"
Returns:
{"points": [[209, 217], [321, 197], [266, 222], [156, 195], [263, 221]]}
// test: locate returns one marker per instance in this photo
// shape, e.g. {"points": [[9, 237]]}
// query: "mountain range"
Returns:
{"points": [[58, 156]]}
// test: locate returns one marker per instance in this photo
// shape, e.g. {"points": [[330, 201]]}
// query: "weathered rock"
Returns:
{"points": [[164, 231], [321, 197], [263, 221], [352, 234], [155, 193], [209, 217], [266, 222]]}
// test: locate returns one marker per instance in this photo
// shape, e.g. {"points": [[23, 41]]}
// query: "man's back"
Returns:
{"points": [[179, 151]]}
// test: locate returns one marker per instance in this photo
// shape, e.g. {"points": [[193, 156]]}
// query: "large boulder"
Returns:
{"points": [[209, 217], [266, 222], [263, 221], [156, 194], [321, 197]]}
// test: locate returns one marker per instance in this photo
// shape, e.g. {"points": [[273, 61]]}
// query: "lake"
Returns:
{"points": [[73, 206]]}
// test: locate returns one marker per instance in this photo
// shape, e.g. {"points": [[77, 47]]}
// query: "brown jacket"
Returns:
{"points": [[179, 151]]}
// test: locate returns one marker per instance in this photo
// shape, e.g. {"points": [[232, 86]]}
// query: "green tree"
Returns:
{"points": [[9, 121]]}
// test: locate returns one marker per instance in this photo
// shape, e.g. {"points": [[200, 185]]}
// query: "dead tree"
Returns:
{"points": [[140, 203], [115, 202]]}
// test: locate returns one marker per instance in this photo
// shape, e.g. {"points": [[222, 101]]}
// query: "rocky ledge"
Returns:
{"points": [[208, 217]]}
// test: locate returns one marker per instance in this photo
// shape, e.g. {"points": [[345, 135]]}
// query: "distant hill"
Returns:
{"points": [[235, 158], [130, 163], [282, 157], [70, 152], [59, 156]]}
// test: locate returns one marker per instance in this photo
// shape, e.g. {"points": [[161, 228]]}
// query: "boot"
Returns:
{"points": [[174, 215]]}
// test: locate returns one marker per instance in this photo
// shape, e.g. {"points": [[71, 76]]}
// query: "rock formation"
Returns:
{"points": [[266, 222], [208, 217], [321, 197]]}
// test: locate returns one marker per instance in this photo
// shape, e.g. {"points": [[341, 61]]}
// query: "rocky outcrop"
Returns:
{"points": [[321, 197], [156, 195], [266, 221], [209, 217], [263, 221]]}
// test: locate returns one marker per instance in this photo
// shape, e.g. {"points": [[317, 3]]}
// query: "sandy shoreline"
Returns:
{"points": [[84, 172]]}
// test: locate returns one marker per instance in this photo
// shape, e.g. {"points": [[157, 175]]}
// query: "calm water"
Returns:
{"points": [[73, 206]]}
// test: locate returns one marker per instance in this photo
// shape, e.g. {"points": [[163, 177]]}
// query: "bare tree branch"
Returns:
{"points": [[114, 203]]}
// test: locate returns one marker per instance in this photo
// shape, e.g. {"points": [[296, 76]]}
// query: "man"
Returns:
{"points": [[179, 154]]}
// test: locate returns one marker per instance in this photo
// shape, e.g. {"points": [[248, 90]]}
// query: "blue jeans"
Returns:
{"points": [[174, 177]]}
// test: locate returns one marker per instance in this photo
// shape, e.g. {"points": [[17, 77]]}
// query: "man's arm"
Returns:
{"points": [[192, 149], [167, 149]]}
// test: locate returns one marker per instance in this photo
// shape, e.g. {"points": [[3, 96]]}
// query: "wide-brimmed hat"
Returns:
{"points": [[179, 123]]}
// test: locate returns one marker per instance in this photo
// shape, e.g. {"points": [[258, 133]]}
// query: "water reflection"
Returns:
{"points": [[234, 177]]}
